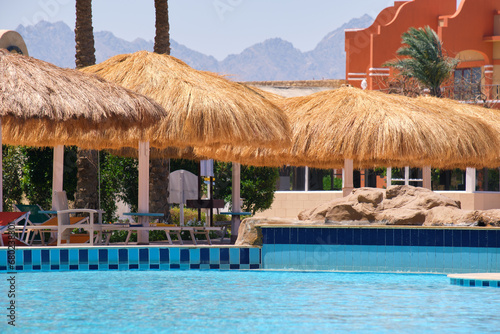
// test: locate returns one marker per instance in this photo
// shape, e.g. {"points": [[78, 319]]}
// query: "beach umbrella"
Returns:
{"points": [[489, 115], [45, 105], [204, 108], [375, 129]]}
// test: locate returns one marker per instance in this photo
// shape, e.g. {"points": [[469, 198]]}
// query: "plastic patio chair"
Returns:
{"points": [[64, 226], [12, 218], [40, 222]]}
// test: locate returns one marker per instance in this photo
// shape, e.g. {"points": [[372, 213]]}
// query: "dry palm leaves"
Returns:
{"points": [[44, 105], [376, 129], [203, 108]]}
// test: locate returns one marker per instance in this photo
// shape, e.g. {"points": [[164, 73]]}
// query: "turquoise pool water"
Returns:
{"points": [[247, 302]]}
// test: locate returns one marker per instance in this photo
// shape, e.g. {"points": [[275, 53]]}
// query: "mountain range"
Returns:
{"points": [[271, 60]]}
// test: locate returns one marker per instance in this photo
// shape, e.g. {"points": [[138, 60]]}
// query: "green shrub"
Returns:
{"points": [[189, 214]]}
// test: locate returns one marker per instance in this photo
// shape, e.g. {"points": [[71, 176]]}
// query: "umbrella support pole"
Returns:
{"points": [[57, 171], [347, 177], [143, 236], [236, 207]]}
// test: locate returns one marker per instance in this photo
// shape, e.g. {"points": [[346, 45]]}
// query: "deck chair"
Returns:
{"points": [[8, 219], [40, 223], [219, 227], [64, 226]]}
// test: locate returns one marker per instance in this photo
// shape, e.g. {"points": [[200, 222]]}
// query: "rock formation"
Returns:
{"points": [[398, 205]]}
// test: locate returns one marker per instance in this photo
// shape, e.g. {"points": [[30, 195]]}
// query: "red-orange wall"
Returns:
{"points": [[460, 30], [466, 28], [358, 43]]}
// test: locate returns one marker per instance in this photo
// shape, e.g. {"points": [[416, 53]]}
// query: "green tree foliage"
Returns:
{"points": [[37, 174], [13, 160], [257, 185], [189, 165], [119, 181], [425, 59], [70, 171]]}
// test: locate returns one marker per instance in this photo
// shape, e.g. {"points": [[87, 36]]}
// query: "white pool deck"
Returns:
{"points": [[477, 276]]}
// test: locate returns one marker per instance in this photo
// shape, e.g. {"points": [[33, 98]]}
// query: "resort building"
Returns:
{"points": [[476, 79], [470, 33]]}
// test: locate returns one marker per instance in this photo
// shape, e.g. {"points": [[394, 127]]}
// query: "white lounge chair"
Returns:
{"points": [[64, 226]]}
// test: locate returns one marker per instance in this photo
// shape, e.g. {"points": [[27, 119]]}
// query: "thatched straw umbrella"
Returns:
{"points": [[44, 105], [375, 129], [372, 126], [491, 116], [205, 109]]}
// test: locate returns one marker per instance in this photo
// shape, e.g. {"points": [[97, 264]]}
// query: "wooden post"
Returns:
{"points": [[347, 177], [183, 200], [57, 171], [470, 180], [389, 177], [211, 192], [199, 191], [143, 207], [236, 183], [306, 186], [407, 176], [426, 177]]}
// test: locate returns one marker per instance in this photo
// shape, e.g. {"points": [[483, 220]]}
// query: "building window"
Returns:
{"points": [[309, 179], [406, 176], [467, 84], [487, 179], [325, 179], [448, 179]]}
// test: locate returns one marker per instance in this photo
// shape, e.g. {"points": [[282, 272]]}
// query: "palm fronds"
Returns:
{"points": [[425, 59]]}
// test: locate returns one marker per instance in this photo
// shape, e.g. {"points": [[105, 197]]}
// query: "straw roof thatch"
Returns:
{"points": [[44, 105], [204, 108], [491, 116], [371, 127], [376, 129]]}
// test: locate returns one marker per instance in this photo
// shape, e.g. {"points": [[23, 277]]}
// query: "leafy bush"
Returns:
{"points": [[257, 185]]}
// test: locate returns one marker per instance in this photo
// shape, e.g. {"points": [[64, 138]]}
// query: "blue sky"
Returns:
{"points": [[214, 27]]}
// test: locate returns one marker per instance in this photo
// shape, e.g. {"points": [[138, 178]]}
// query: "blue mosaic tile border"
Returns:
{"points": [[374, 249], [487, 238], [360, 258], [474, 282], [147, 258]]}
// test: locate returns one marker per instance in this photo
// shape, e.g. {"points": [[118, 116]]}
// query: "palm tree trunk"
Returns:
{"points": [[86, 194], [86, 185], [436, 91], [160, 168], [162, 38], [84, 34]]}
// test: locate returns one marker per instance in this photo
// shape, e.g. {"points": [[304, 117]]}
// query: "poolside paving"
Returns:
{"points": [[476, 280], [478, 276]]}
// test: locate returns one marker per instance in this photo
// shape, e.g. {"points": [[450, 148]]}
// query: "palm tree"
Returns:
{"points": [[87, 180], [162, 38], [160, 168], [84, 34], [425, 59]]}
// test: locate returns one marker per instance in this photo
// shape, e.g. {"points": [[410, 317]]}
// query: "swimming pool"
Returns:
{"points": [[205, 301]]}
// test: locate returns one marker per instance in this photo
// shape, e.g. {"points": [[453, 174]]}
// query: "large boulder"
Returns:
{"points": [[399, 205], [249, 234]]}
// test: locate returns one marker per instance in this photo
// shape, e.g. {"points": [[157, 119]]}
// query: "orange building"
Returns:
{"points": [[470, 33]]}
